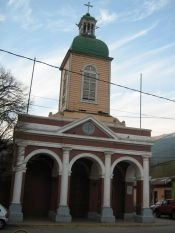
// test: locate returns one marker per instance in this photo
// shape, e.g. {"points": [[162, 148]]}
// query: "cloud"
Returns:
{"points": [[21, 12], [105, 17], [148, 8], [46, 80], [59, 25], [127, 109], [55, 21], [2, 18], [149, 63], [152, 6], [128, 39], [143, 9]]}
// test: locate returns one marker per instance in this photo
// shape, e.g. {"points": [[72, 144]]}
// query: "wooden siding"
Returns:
{"points": [[75, 83]]}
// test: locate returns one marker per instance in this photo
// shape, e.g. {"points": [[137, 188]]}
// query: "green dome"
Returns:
{"points": [[91, 46], [88, 17]]}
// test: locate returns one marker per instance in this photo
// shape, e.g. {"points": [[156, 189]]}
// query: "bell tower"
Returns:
{"points": [[85, 72]]}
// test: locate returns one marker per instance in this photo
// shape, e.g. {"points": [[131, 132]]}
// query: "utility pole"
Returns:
{"points": [[31, 85], [140, 101]]}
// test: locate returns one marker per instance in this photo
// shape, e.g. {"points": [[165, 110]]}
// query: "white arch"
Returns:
{"points": [[44, 151], [127, 158], [88, 155]]}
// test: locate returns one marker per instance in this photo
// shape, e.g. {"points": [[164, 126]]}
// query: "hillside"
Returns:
{"points": [[163, 149]]}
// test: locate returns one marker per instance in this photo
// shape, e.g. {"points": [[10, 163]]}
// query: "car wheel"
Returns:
{"points": [[2, 224], [173, 215], [157, 214]]}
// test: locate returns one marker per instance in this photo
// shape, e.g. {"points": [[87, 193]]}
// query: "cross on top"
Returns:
{"points": [[88, 5]]}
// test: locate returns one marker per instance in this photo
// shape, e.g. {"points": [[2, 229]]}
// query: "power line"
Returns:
{"points": [[149, 117], [128, 88], [40, 106], [135, 113], [115, 84], [45, 98], [28, 58], [146, 116]]}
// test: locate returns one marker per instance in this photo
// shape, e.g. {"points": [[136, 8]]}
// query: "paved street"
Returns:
{"points": [[160, 226]]}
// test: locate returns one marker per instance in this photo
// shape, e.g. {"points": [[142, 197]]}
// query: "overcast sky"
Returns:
{"points": [[140, 35]]}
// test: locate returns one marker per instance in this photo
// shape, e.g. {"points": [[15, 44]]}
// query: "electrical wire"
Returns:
{"points": [[145, 116], [45, 98], [115, 84]]}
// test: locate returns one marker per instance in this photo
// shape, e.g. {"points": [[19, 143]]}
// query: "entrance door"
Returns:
{"points": [[118, 190], [37, 187], [79, 190]]}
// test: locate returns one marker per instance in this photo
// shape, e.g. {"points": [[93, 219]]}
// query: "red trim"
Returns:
{"points": [[82, 142], [139, 132], [55, 122], [42, 120]]}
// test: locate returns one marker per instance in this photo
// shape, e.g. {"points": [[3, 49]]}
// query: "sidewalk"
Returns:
{"points": [[86, 223]]}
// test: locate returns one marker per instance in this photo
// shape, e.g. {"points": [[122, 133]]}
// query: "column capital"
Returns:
{"points": [[21, 150], [20, 143], [66, 149], [108, 153], [146, 157], [20, 168], [139, 178]]}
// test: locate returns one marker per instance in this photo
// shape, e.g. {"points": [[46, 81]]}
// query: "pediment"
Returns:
{"points": [[89, 127]]}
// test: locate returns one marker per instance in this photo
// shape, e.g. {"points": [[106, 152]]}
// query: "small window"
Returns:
{"points": [[167, 194], [89, 84], [64, 87]]}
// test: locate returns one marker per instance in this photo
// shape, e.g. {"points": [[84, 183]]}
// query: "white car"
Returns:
{"points": [[3, 216]]}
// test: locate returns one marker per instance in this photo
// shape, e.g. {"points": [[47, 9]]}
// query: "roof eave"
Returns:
{"points": [[93, 55]]}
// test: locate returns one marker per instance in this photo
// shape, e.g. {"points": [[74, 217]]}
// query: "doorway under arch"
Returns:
{"points": [[38, 186], [124, 189], [85, 189], [118, 189]]}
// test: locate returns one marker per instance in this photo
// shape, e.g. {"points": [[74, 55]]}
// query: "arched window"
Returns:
{"points": [[89, 84]]}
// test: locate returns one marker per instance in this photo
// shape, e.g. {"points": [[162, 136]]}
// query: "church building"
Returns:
{"points": [[81, 162]]}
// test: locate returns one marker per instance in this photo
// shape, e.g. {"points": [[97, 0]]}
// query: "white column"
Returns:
{"points": [[63, 213], [64, 177], [19, 169], [107, 212], [146, 191], [146, 215], [15, 209], [107, 181]]}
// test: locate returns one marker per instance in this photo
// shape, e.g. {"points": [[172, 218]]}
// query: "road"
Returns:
{"points": [[162, 226]]}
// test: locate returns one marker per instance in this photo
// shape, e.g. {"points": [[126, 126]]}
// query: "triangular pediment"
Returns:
{"points": [[89, 127]]}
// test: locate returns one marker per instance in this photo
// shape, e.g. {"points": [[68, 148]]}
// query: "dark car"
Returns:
{"points": [[166, 208]]}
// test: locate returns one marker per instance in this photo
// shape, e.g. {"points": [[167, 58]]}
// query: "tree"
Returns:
{"points": [[12, 102]]}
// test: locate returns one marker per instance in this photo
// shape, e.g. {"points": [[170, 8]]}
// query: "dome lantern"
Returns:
{"points": [[87, 24]]}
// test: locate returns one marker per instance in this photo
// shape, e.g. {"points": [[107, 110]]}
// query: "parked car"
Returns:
{"points": [[3, 216], [166, 208]]}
